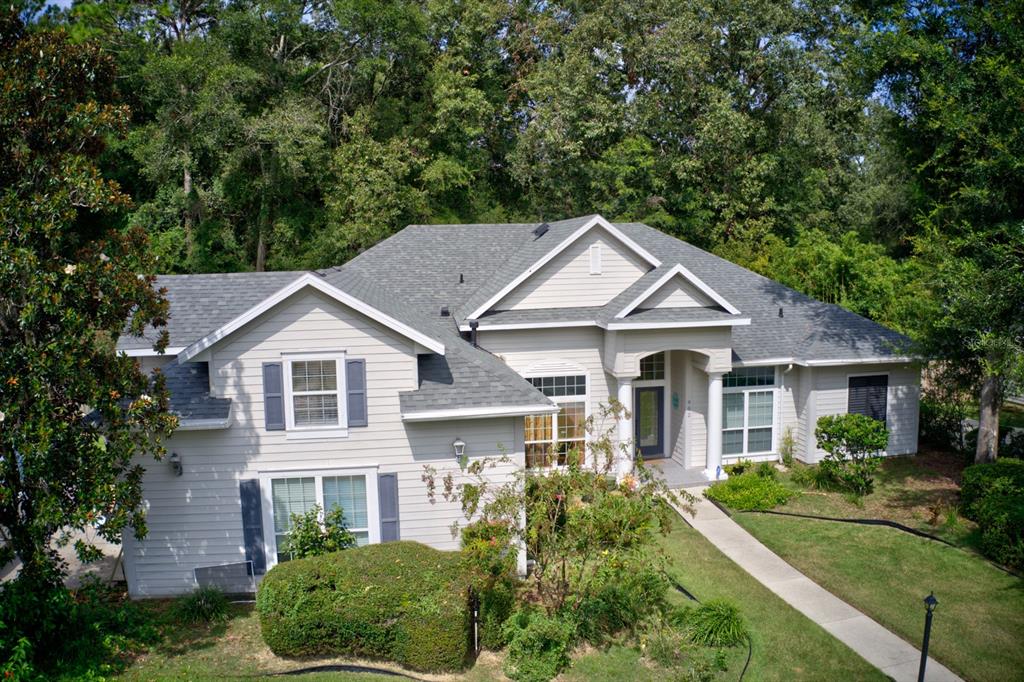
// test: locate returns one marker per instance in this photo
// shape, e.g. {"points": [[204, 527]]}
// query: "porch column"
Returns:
{"points": [[713, 470], [624, 461]]}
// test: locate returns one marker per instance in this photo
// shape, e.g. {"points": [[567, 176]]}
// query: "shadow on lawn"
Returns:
{"points": [[179, 637]]}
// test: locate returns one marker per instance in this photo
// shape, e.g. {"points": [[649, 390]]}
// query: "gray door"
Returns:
{"points": [[649, 421]]}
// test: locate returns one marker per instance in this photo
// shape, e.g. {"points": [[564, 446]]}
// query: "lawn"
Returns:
{"points": [[979, 623], [787, 646]]}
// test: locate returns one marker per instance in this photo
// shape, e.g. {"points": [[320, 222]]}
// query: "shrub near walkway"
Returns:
{"points": [[979, 623]]}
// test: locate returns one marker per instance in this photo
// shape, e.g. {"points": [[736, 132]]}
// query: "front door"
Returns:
{"points": [[649, 420]]}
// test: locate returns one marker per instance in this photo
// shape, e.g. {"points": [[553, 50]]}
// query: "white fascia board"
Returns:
{"points": [[169, 352], [696, 281], [618, 326], [861, 361], [596, 221], [203, 424], [309, 280], [767, 363], [531, 325], [478, 413]]}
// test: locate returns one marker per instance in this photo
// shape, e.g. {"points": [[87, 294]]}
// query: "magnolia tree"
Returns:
{"points": [[73, 412], [579, 526]]}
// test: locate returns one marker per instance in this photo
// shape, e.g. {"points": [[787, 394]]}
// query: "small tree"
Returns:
{"points": [[852, 442], [310, 536]]}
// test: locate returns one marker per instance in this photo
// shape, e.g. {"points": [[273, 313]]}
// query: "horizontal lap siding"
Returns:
{"points": [[902, 404], [566, 282], [679, 360], [696, 415], [195, 519], [676, 293]]}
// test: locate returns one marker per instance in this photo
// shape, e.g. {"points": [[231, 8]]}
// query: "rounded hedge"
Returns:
{"points": [[980, 479], [398, 601]]}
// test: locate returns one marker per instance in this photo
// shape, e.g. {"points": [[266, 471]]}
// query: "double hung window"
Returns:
{"points": [[748, 411], [551, 437]]}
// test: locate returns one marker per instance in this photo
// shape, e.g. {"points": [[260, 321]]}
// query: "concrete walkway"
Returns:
{"points": [[878, 646]]}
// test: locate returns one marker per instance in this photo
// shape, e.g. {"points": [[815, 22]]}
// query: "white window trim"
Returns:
{"points": [[372, 501], [304, 432], [776, 390], [558, 400], [888, 393]]}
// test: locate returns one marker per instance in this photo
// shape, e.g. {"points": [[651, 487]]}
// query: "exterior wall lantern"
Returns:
{"points": [[459, 446], [175, 460]]}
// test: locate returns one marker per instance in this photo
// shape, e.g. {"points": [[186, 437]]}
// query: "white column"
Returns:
{"points": [[624, 458], [713, 470]]}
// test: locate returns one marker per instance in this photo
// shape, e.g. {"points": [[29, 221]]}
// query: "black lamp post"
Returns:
{"points": [[930, 602]]}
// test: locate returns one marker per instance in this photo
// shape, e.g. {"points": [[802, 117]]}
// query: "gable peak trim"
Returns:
{"points": [[318, 283], [595, 221], [679, 270]]}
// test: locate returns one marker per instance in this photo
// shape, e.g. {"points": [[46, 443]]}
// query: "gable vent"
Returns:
{"points": [[541, 230]]}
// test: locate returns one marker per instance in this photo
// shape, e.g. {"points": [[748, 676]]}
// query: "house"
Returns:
{"points": [[338, 386]]}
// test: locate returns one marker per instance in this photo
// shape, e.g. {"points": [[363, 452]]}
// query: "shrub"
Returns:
{"points": [[749, 492], [852, 442], [787, 447], [539, 645], [766, 470], [942, 422], [980, 479], [397, 601], [311, 537], [624, 596], [738, 467], [716, 623], [204, 605]]}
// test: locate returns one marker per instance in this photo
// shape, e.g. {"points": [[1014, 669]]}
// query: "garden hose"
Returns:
{"points": [[343, 668]]}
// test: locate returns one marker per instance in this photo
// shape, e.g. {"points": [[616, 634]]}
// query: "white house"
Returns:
{"points": [[338, 386]]}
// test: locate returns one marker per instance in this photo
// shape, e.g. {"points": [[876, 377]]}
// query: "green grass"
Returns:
{"points": [[787, 646], [979, 623]]}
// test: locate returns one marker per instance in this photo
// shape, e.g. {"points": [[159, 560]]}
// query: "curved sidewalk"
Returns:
{"points": [[877, 645]]}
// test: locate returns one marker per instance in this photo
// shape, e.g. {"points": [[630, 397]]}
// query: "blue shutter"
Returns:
{"points": [[355, 382], [273, 396], [868, 396], [387, 494], [252, 524]]}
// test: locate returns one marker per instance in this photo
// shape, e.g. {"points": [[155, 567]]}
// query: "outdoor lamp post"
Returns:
{"points": [[930, 602]]}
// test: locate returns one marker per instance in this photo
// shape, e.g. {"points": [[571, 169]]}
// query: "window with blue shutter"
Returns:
{"points": [[273, 396], [869, 396], [355, 378]]}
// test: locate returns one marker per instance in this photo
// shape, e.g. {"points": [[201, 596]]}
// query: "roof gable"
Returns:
{"points": [[678, 288], [318, 283], [483, 303]]}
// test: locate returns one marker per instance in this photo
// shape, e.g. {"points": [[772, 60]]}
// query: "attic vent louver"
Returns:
{"points": [[445, 312], [541, 230]]}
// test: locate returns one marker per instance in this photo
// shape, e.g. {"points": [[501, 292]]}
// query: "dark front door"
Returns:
{"points": [[649, 421]]}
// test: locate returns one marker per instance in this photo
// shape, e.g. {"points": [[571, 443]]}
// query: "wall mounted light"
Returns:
{"points": [[459, 446], [175, 460]]}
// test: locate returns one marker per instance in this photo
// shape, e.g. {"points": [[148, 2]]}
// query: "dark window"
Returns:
{"points": [[868, 396]]}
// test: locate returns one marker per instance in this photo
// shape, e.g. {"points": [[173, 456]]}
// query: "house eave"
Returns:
{"points": [[478, 413]]}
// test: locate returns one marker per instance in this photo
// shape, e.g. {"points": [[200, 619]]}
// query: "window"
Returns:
{"points": [[355, 493], [748, 411], [315, 392], [868, 395], [652, 367], [550, 438]]}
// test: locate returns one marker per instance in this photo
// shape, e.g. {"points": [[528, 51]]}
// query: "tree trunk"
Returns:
{"points": [[186, 185], [261, 253], [988, 421]]}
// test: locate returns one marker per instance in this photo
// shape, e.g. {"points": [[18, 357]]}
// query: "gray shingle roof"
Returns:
{"points": [[189, 388], [413, 273]]}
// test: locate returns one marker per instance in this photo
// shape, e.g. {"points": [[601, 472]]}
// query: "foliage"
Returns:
{"points": [[993, 496], [490, 562], [716, 623], [71, 288], [852, 442], [625, 599], [204, 605], [539, 645], [311, 536], [980, 479], [738, 467], [942, 420], [787, 446], [750, 492], [397, 601]]}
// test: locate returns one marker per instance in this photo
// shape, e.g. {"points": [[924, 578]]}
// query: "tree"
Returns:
{"points": [[73, 413], [951, 73]]}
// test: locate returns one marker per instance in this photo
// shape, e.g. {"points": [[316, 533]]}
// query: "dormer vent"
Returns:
{"points": [[541, 230], [445, 312]]}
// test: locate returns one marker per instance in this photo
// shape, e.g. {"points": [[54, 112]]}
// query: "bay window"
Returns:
{"points": [[748, 411]]}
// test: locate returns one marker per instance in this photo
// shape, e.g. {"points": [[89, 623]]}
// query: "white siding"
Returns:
{"points": [[696, 415], [566, 282], [195, 519], [831, 394], [677, 293], [805, 408], [677, 387], [148, 363]]}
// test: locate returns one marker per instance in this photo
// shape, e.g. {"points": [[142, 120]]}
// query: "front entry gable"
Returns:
{"points": [[677, 288]]}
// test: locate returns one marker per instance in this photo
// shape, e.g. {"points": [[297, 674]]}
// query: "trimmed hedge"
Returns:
{"points": [[398, 601], [979, 479], [749, 492], [993, 496]]}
